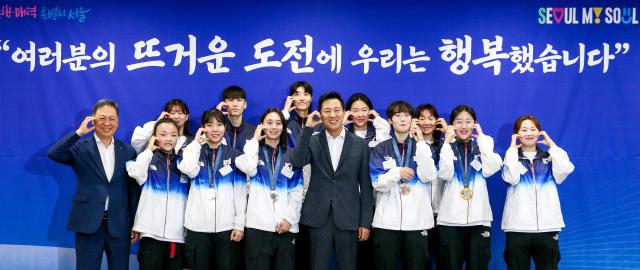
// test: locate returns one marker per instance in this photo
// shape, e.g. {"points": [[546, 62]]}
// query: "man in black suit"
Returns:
{"points": [[106, 198], [338, 207]]}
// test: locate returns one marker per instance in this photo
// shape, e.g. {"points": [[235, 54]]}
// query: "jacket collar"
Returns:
{"points": [[539, 153], [242, 126]]}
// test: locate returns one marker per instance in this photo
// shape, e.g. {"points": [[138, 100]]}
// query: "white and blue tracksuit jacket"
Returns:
{"points": [[481, 163], [263, 213], [226, 210], [160, 213], [532, 203], [437, 185], [236, 137], [395, 211]]}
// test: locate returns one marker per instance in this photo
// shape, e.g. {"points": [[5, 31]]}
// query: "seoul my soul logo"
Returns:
{"points": [[587, 15]]}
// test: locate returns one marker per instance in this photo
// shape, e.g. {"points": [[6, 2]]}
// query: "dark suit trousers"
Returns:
{"points": [[89, 249], [327, 238]]}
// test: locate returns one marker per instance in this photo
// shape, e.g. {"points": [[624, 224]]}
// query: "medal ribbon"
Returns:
{"points": [[274, 164], [213, 165]]}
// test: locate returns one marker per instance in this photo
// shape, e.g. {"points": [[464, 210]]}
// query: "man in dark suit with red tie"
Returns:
{"points": [[338, 207], [106, 198]]}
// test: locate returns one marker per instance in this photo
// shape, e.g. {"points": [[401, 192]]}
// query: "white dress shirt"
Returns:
{"points": [[335, 147], [108, 157]]}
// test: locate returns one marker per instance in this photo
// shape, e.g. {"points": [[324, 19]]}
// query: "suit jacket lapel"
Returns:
{"points": [[346, 145], [325, 148], [119, 159], [95, 156]]}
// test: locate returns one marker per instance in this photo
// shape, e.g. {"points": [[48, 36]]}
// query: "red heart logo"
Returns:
{"points": [[558, 14]]}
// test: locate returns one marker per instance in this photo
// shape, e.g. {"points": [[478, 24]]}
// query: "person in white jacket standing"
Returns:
{"points": [[432, 127], [402, 169], [160, 213], [532, 216], [275, 196], [215, 214], [464, 219]]}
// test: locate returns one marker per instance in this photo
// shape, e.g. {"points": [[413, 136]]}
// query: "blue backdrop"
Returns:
{"points": [[572, 64]]}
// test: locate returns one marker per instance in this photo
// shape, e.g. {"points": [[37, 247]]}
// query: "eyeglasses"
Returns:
{"points": [[460, 123]]}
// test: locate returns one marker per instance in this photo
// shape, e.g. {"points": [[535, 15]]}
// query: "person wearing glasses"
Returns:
{"points": [[464, 218]]}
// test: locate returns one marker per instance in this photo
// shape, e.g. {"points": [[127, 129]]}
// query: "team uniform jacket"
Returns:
{"points": [[263, 213], [226, 210], [437, 185], [532, 203], [409, 212], [482, 163], [163, 200], [236, 137]]}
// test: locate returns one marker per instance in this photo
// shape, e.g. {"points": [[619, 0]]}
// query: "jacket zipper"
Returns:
{"points": [[235, 129], [400, 211], [166, 202], [535, 190], [465, 173]]}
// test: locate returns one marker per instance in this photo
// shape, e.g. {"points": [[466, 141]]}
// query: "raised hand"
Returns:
{"points": [[84, 127], [416, 131], [258, 133], [443, 125], [222, 106], [151, 145], [478, 129], [313, 119], [514, 141], [288, 104], [163, 114], [374, 114], [450, 134], [346, 120], [201, 135], [546, 140]]}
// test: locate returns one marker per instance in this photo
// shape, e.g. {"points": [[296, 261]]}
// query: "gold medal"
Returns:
{"points": [[466, 194], [405, 189]]}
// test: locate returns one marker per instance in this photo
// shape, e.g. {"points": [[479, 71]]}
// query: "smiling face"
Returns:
{"points": [[273, 126], [106, 121], [166, 136], [331, 114], [301, 99], [427, 122], [360, 113], [214, 130], [178, 115], [528, 133], [464, 125], [401, 122]]}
